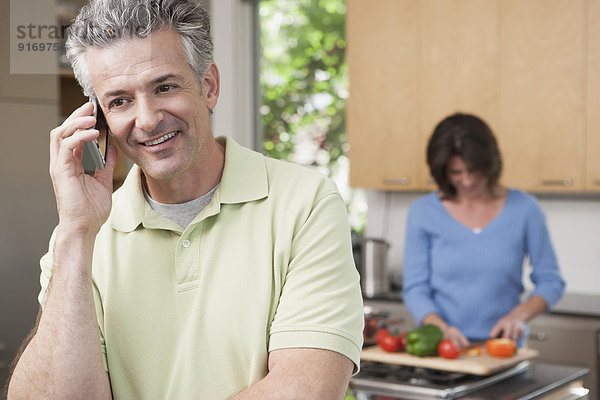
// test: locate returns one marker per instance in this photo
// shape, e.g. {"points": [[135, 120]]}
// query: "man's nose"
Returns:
{"points": [[147, 114]]}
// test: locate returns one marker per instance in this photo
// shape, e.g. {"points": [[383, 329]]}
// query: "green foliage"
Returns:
{"points": [[304, 80], [304, 84]]}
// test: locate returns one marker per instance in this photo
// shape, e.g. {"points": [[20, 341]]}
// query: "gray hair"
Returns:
{"points": [[101, 23]]}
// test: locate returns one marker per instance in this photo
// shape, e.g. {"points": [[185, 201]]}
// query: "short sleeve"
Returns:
{"points": [[321, 302]]}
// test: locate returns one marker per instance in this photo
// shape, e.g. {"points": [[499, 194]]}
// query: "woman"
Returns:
{"points": [[466, 243]]}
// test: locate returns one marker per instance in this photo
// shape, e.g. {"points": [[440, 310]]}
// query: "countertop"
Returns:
{"points": [[571, 304], [578, 304], [540, 379]]}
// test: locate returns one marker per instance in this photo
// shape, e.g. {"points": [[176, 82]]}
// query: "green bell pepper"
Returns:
{"points": [[423, 341]]}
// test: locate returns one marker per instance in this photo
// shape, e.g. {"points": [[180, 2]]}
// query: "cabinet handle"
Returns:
{"points": [[597, 182], [541, 336], [558, 182], [396, 181]]}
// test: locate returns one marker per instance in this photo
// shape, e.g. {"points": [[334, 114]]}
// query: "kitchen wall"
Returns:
{"points": [[28, 111], [574, 224]]}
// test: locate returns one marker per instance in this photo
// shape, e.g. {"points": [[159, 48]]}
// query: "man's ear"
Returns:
{"points": [[211, 85]]}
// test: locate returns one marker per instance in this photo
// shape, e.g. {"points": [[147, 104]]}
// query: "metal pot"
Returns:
{"points": [[373, 269]]}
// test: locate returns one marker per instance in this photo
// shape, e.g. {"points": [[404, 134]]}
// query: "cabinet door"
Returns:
{"points": [[459, 65], [383, 108], [409, 68], [593, 108], [543, 85], [571, 340]]}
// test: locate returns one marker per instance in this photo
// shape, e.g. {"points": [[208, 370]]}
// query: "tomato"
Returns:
{"points": [[390, 342], [503, 347], [447, 349]]}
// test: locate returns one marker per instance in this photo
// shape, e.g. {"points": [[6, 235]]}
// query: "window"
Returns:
{"points": [[304, 87]]}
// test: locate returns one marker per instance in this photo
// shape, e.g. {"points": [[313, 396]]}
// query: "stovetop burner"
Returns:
{"points": [[424, 383], [413, 374]]}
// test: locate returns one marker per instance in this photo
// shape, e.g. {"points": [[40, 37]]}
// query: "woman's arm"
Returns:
{"points": [[416, 288], [549, 284], [546, 276]]}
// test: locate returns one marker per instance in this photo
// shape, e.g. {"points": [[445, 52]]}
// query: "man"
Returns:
{"points": [[213, 272]]}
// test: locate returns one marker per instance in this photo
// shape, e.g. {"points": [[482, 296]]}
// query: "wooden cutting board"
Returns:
{"points": [[483, 364]]}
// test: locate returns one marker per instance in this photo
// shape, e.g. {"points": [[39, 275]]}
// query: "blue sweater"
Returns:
{"points": [[473, 279]]}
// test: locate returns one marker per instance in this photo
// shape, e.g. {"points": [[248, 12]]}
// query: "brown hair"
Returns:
{"points": [[469, 138]]}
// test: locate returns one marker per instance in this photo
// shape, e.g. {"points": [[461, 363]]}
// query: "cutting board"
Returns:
{"points": [[483, 364]]}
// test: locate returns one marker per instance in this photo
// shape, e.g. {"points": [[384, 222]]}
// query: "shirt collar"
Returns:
{"points": [[244, 179]]}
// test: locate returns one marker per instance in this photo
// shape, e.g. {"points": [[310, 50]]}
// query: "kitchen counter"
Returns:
{"points": [[391, 296], [578, 304], [538, 382], [583, 305]]}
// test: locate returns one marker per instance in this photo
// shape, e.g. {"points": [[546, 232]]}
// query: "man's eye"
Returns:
{"points": [[165, 88], [117, 103]]}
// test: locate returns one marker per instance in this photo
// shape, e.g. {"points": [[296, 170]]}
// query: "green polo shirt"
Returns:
{"points": [[193, 313]]}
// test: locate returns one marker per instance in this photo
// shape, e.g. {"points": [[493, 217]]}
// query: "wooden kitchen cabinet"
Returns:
{"points": [[523, 66], [458, 66], [570, 340], [593, 100], [383, 111], [542, 80]]}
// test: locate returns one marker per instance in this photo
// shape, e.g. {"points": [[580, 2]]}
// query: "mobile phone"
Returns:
{"points": [[92, 155]]}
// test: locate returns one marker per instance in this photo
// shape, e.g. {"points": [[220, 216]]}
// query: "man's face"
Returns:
{"points": [[157, 110]]}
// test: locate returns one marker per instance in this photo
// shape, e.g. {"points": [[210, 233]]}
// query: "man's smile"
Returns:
{"points": [[160, 139]]}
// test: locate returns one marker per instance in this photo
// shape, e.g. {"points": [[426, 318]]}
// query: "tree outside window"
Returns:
{"points": [[304, 85]]}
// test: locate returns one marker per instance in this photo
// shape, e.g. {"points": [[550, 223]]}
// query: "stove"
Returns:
{"points": [[382, 381]]}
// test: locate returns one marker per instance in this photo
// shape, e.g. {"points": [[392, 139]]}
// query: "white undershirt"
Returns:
{"points": [[182, 213]]}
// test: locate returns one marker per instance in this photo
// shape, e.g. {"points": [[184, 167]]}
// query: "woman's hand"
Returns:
{"points": [[83, 201], [508, 327], [454, 334], [512, 325], [450, 332]]}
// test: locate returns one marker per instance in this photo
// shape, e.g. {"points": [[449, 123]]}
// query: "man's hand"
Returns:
{"points": [[83, 201]]}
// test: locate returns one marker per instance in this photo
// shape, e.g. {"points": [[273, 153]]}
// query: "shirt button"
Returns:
{"points": [[186, 243]]}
